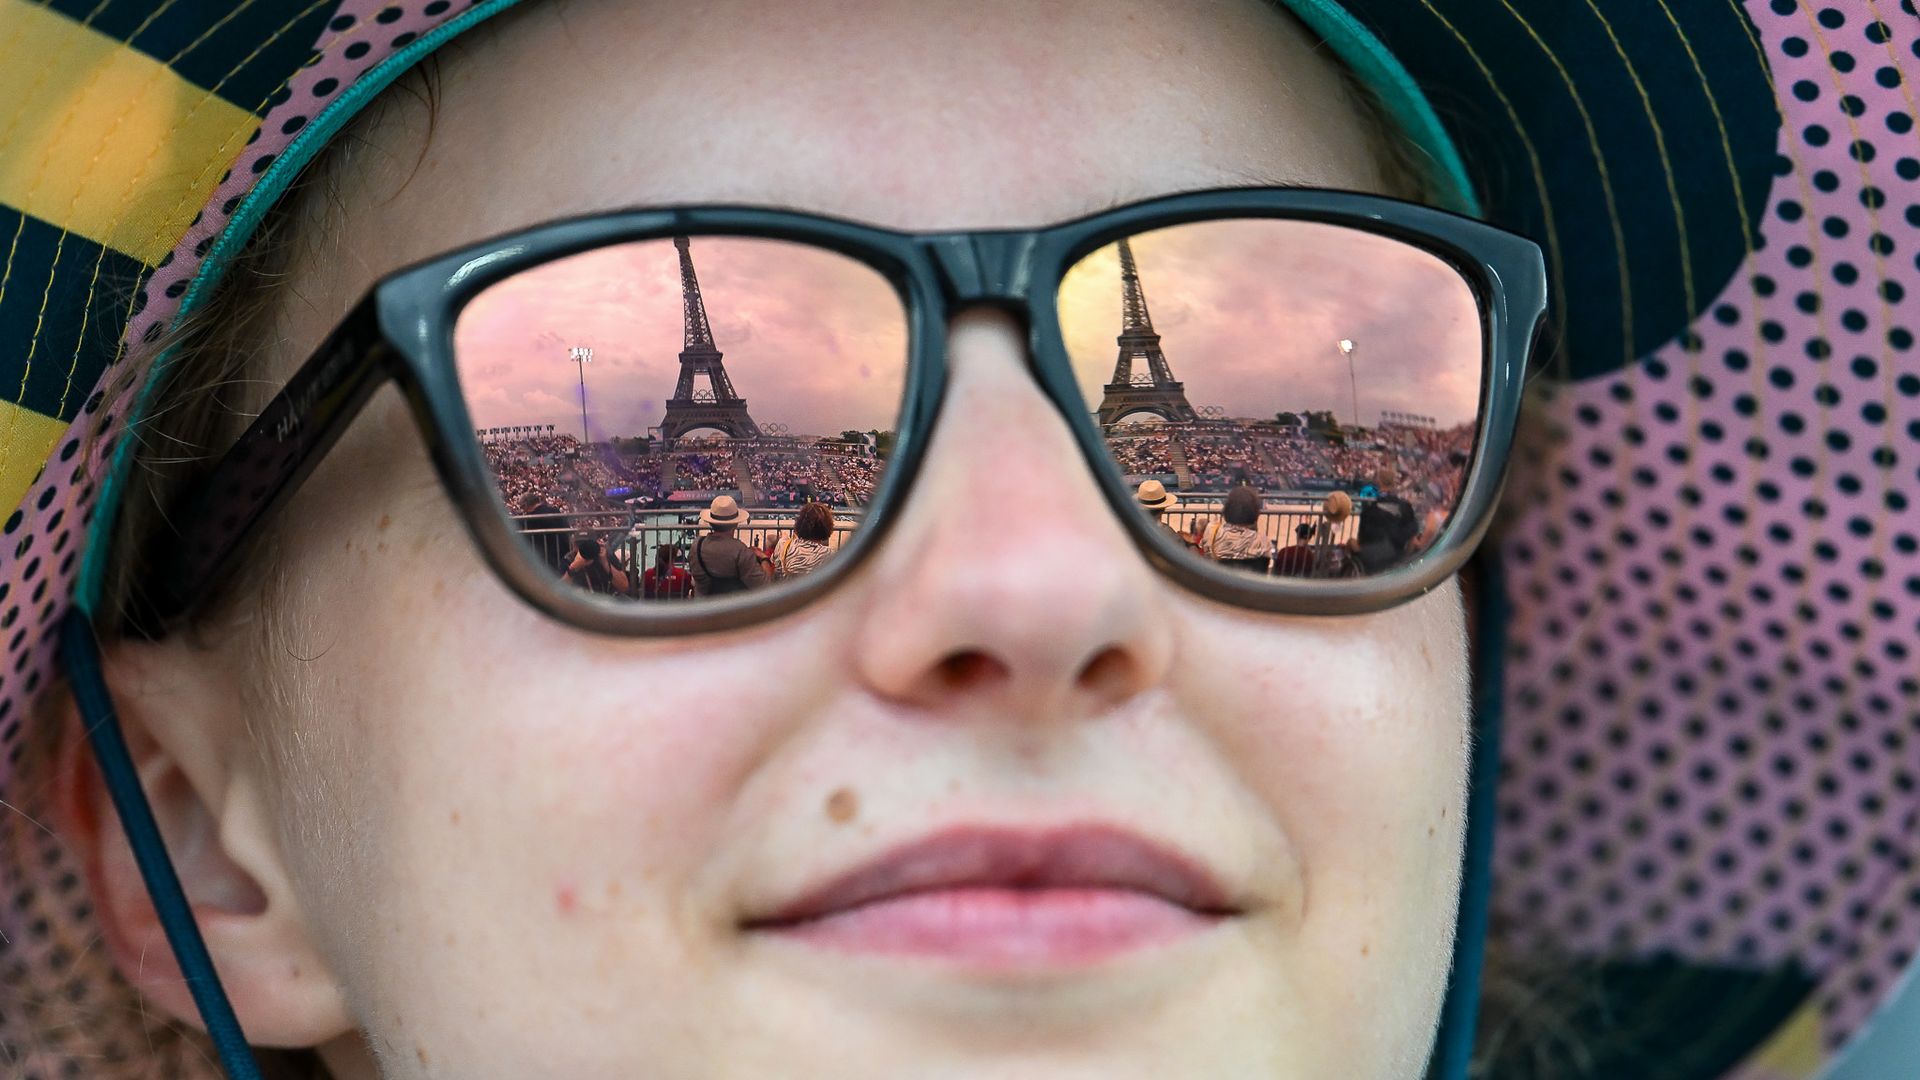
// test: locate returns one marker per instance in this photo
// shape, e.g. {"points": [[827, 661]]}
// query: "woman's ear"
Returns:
{"points": [[181, 710]]}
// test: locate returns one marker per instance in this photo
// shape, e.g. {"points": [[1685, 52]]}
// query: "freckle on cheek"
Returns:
{"points": [[842, 805]]}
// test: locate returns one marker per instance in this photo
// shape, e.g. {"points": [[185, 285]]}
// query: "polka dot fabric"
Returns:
{"points": [[1713, 739], [52, 962]]}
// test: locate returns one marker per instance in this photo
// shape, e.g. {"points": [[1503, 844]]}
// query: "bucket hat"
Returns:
{"points": [[1696, 696], [724, 511], [1337, 506], [1153, 495]]}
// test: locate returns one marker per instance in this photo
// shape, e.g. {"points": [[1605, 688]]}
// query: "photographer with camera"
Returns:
{"points": [[591, 570]]}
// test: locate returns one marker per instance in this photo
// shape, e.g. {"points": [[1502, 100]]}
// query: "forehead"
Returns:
{"points": [[922, 114]]}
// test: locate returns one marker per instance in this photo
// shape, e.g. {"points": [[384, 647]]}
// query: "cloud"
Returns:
{"points": [[810, 338], [1256, 309], [1249, 313]]}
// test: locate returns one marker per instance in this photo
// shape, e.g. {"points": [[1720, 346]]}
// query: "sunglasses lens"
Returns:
{"points": [[1288, 398], [675, 420]]}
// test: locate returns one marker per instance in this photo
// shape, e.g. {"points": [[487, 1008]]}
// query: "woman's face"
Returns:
{"points": [[522, 850]]}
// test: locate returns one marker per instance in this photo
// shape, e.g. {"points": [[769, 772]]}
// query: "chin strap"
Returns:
{"points": [[81, 655], [1453, 1047]]}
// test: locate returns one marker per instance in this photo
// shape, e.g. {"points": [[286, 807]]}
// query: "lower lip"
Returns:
{"points": [[1003, 927]]}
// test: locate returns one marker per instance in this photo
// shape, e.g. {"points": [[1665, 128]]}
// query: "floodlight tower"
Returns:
{"points": [[581, 356], [1346, 347]]}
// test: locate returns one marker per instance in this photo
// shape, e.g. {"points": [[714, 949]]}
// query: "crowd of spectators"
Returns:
{"points": [[795, 477], [783, 479], [704, 470], [556, 471], [1302, 460], [550, 469], [641, 472], [1143, 455], [1221, 458], [1427, 466], [1431, 463]]}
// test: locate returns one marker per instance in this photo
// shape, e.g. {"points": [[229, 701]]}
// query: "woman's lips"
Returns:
{"points": [[999, 897]]}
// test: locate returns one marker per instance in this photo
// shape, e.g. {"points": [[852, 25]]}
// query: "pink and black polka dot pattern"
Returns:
{"points": [[1713, 740]]}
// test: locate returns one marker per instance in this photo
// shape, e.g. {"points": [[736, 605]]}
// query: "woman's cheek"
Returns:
{"points": [[634, 750], [1352, 734]]}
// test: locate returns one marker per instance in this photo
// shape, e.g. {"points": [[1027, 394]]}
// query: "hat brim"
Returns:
{"points": [[707, 518]]}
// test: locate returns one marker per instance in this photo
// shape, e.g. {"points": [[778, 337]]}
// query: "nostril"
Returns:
{"points": [[970, 670], [1108, 675]]}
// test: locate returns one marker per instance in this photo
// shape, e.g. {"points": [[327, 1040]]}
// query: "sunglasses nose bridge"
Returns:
{"points": [[992, 269]]}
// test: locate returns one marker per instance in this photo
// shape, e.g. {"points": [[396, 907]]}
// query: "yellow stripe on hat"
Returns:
{"points": [[108, 142], [32, 438], [1794, 1049]]}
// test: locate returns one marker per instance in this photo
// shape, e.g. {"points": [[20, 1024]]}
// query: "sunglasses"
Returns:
{"points": [[687, 419]]}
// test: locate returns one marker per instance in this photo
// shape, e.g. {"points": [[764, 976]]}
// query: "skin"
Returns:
{"points": [[436, 834]]}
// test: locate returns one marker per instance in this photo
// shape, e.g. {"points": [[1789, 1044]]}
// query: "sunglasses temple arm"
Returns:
{"points": [[80, 654], [263, 469]]}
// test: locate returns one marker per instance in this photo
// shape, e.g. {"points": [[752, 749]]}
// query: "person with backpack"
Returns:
{"points": [[720, 562], [1388, 525]]}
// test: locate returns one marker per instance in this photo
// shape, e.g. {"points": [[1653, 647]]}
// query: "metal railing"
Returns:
{"points": [[1279, 523], [633, 538]]}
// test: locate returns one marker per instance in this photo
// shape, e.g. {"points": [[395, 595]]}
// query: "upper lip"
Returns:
{"points": [[1081, 856]]}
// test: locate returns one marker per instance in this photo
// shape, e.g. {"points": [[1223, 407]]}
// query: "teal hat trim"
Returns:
{"points": [[1355, 45]]}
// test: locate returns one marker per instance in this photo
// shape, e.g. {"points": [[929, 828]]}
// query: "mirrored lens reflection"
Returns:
{"points": [[677, 419], [1286, 398]]}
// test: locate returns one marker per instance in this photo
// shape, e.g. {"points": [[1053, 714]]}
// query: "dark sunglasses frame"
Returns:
{"points": [[403, 330]]}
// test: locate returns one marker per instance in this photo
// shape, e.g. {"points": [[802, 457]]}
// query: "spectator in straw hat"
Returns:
{"points": [[1155, 499], [1336, 507], [719, 561]]}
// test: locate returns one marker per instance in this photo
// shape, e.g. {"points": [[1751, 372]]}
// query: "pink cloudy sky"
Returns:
{"points": [[811, 339], [1248, 312]]}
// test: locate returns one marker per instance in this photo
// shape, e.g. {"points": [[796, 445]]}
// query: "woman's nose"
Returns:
{"points": [[1008, 585]]}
